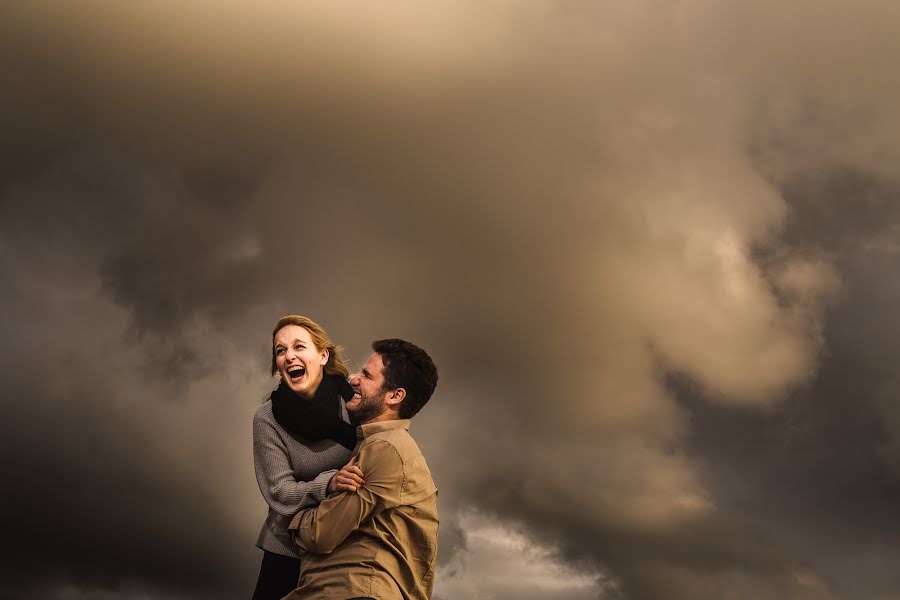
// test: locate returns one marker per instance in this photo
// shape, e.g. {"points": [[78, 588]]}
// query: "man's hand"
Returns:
{"points": [[348, 479]]}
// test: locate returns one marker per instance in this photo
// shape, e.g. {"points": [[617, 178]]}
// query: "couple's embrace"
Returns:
{"points": [[352, 505]]}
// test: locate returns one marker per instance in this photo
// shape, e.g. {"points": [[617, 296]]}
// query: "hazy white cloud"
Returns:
{"points": [[502, 562]]}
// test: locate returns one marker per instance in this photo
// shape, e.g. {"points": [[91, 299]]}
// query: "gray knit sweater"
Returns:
{"points": [[292, 474]]}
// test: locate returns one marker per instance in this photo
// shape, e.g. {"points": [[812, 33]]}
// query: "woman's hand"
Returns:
{"points": [[348, 479]]}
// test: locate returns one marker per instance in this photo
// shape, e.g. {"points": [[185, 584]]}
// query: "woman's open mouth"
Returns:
{"points": [[296, 373]]}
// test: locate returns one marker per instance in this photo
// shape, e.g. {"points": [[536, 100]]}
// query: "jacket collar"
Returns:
{"points": [[369, 429]]}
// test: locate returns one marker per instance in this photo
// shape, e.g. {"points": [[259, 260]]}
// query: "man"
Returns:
{"points": [[381, 541]]}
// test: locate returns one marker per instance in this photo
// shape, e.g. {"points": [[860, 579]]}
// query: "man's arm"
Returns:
{"points": [[323, 528]]}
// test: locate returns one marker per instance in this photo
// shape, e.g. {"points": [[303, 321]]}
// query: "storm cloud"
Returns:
{"points": [[651, 246]]}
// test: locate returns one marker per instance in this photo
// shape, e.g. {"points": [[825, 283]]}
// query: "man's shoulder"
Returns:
{"points": [[396, 446], [398, 438]]}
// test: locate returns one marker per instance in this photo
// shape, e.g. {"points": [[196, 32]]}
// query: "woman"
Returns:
{"points": [[300, 438]]}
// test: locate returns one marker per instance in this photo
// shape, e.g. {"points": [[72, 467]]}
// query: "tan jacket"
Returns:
{"points": [[381, 541]]}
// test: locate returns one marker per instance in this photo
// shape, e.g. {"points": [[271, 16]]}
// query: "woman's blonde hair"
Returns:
{"points": [[335, 365]]}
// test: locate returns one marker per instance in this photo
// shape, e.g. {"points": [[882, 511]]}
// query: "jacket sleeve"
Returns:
{"points": [[275, 476], [321, 529]]}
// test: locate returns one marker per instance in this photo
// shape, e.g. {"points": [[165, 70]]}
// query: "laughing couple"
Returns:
{"points": [[352, 505]]}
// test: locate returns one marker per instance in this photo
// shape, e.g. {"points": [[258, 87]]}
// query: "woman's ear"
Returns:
{"points": [[325, 356]]}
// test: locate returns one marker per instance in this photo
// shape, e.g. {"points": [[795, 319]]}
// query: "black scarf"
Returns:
{"points": [[319, 417]]}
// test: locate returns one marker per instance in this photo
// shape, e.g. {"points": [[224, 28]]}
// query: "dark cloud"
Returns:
{"points": [[98, 499], [651, 249]]}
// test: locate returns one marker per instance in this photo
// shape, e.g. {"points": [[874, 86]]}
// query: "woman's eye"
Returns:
{"points": [[279, 351]]}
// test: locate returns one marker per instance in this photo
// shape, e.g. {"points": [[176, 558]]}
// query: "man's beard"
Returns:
{"points": [[369, 407]]}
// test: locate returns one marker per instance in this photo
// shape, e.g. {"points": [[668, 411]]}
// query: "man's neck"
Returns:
{"points": [[385, 416]]}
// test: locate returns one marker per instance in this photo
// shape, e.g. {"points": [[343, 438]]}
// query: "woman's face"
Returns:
{"points": [[298, 360]]}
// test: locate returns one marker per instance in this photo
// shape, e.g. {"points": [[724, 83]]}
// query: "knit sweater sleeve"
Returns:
{"points": [[275, 476]]}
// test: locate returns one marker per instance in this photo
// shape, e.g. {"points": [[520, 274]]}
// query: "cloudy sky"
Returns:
{"points": [[652, 246]]}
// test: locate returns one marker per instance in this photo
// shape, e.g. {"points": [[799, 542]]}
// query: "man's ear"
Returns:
{"points": [[395, 398]]}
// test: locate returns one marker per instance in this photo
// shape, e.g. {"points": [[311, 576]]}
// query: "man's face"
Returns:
{"points": [[369, 393]]}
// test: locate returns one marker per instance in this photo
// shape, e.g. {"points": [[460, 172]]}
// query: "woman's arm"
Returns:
{"points": [[275, 475], [348, 479]]}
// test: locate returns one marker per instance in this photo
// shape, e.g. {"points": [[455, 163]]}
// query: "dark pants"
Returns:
{"points": [[278, 576]]}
